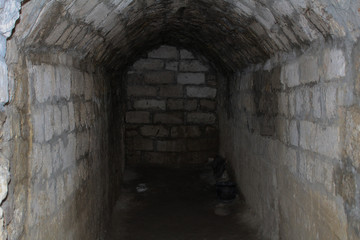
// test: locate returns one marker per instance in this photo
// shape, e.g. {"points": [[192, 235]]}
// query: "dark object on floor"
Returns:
{"points": [[219, 166], [226, 191]]}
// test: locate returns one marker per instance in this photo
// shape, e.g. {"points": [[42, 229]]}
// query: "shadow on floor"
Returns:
{"points": [[177, 205]]}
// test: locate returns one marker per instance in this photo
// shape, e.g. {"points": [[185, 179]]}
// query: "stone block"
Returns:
{"points": [[72, 122], [185, 131], [137, 117], [316, 102], [294, 133], [63, 75], [4, 83], [331, 102], [144, 91], [77, 82], [204, 144], [171, 91], [324, 140], [172, 65], [149, 64], [309, 70], [185, 54], [281, 125], [164, 52], [89, 86], [192, 66], [134, 78], [154, 131], [159, 77], [49, 122], [191, 78], [334, 64], [352, 136], [168, 118], [175, 104], [206, 104], [191, 105], [140, 144], [171, 146], [150, 104], [57, 121], [290, 75], [201, 92], [303, 104], [283, 102], [44, 76], [201, 118], [38, 125]]}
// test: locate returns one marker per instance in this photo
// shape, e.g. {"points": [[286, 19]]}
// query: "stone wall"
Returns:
{"points": [[60, 183], [171, 114], [284, 135]]}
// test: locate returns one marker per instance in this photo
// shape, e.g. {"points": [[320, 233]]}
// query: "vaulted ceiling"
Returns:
{"points": [[232, 33]]}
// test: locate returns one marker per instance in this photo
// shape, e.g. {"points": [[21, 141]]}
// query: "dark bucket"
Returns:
{"points": [[226, 191]]}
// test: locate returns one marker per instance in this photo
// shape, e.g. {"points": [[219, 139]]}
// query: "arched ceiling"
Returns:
{"points": [[230, 33]]}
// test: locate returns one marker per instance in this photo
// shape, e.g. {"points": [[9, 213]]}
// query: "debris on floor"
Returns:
{"points": [[141, 188]]}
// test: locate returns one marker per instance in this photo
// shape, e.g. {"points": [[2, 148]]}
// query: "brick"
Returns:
{"points": [[150, 104], [290, 75], [201, 92], [149, 64], [185, 131], [168, 118], [145, 91], [207, 104], [159, 77], [202, 118], [309, 70], [191, 78], [154, 131], [164, 52], [334, 64], [171, 146], [171, 91], [175, 104], [192, 66], [185, 54], [137, 117]]}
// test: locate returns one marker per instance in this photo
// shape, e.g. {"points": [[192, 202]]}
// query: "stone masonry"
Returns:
{"points": [[284, 74], [171, 115]]}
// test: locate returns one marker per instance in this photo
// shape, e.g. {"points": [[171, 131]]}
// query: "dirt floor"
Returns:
{"points": [[177, 205]]}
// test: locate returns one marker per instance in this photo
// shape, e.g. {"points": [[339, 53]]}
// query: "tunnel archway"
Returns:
{"points": [[290, 67]]}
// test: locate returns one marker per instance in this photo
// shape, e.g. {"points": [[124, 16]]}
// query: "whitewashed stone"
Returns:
{"points": [[49, 122], [4, 83], [294, 133], [335, 64], [290, 74], [331, 102], [38, 125]]}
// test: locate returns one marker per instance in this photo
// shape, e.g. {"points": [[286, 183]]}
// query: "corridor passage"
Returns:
{"points": [[177, 205]]}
